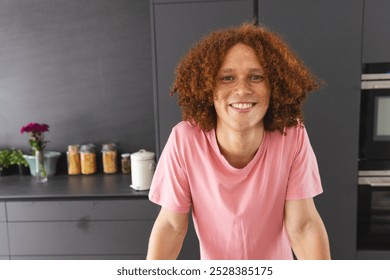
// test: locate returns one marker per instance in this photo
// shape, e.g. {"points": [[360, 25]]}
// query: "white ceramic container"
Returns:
{"points": [[143, 165]]}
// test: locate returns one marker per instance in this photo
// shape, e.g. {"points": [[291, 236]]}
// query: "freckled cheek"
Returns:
{"points": [[220, 99], [264, 98]]}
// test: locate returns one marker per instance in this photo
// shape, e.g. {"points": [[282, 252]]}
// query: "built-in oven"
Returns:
{"points": [[374, 152], [374, 159], [373, 224]]}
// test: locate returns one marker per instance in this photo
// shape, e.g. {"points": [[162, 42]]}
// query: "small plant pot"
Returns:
{"points": [[50, 162]]}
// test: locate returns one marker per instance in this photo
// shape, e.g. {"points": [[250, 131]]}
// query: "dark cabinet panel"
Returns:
{"points": [[2, 212], [373, 255], [4, 252], [376, 32], [95, 210], [327, 36], [80, 257], [79, 238]]}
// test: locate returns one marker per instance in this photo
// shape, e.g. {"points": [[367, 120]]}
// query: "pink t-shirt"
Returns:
{"points": [[237, 213]]}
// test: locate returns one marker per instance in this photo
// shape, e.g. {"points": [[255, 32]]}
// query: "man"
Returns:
{"points": [[241, 159]]}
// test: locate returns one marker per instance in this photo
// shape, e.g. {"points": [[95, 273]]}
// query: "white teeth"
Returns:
{"points": [[242, 105]]}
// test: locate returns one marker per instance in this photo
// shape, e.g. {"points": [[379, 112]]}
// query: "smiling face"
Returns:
{"points": [[242, 92]]}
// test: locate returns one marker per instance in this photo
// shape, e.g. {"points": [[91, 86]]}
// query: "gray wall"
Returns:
{"points": [[83, 67]]}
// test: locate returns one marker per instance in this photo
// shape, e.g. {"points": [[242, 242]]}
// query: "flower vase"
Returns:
{"points": [[41, 174]]}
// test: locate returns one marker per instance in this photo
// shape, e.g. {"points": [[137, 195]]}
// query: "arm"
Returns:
{"points": [[306, 230], [167, 235]]}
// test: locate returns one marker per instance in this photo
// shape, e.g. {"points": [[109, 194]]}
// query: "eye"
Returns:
{"points": [[227, 78], [257, 78]]}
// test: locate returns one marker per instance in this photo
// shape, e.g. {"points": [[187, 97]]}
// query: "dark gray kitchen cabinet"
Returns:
{"points": [[376, 32], [176, 26], [80, 229], [4, 252], [327, 36]]}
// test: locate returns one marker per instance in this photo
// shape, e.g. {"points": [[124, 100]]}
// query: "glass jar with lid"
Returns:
{"points": [[88, 159], [109, 156], [73, 157], [125, 161]]}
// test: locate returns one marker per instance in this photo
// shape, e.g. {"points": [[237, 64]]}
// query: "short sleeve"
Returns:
{"points": [[170, 188], [304, 177]]}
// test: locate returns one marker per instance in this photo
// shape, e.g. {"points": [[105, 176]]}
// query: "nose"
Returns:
{"points": [[243, 87]]}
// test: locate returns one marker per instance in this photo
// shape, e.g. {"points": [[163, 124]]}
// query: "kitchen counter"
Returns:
{"points": [[100, 186]]}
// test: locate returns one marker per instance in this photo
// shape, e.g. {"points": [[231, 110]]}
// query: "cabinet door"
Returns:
{"points": [[327, 36], [2, 212], [373, 255], [94, 210], [4, 252], [376, 32], [176, 26], [86, 238]]}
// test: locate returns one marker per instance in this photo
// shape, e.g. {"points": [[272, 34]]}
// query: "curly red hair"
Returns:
{"points": [[289, 78]]}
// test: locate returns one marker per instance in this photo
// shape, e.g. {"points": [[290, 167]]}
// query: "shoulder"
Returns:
{"points": [[185, 136], [186, 130], [297, 132], [186, 126], [292, 141], [291, 134], [185, 141]]}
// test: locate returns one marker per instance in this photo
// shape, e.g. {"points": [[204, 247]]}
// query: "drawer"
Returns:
{"points": [[78, 257], [372, 255], [83, 239], [63, 210], [3, 240], [3, 216]]}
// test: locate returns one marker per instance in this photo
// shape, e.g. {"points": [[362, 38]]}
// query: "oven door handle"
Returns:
{"points": [[378, 185], [375, 84], [374, 181]]}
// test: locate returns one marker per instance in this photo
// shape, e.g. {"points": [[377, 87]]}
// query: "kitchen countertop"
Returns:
{"points": [[15, 187]]}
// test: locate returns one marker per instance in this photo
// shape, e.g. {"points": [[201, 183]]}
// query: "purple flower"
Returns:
{"points": [[35, 132], [35, 128]]}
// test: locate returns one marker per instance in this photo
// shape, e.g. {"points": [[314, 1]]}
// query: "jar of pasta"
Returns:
{"points": [[125, 163], [73, 156], [88, 159], [109, 156]]}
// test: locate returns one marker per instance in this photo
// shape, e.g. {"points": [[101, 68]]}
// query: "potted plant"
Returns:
{"points": [[4, 161], [16, 158], [42, 163]]}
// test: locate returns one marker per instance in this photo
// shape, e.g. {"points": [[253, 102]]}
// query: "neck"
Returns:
{"points": [[239, 147]]}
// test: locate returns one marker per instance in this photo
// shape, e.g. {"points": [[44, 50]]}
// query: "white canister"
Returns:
{"points": [[143, 165]]}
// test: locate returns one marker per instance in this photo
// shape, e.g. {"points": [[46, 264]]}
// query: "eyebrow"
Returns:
{"points": [[226, 71], [231, 70]]}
